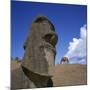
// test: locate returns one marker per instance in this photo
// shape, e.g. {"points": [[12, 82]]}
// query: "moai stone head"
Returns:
{"points": [[39, 47], [65, 60]]}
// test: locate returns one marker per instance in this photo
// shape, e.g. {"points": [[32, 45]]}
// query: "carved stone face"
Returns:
{"points": [[39, 47]]}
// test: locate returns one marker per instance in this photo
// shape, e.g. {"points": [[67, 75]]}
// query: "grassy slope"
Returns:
{"points": [[70, 74], [65, 74]]}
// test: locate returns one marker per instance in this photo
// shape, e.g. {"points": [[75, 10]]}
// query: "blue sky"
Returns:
{"points": [[67, 19]]}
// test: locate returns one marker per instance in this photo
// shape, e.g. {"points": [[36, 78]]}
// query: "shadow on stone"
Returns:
{"points": [[50, 83]]}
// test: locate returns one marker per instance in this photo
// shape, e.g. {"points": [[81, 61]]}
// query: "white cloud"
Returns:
{"points": [[77, 48]]}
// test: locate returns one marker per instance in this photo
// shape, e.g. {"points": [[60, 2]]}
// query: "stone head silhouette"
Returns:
{"points": [[39, 47]]}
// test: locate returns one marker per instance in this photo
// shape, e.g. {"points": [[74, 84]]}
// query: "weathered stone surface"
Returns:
{"points": [[40, 47], [35, 71], [21, 78]]}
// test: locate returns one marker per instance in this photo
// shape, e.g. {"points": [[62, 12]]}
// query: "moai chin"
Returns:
{"points": [[40, 51]]}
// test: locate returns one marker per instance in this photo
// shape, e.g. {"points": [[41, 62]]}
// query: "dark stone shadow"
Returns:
{"points": [[50, 83]]}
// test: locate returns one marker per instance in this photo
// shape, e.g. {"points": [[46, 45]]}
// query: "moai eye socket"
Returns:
{"points": [[51, 38]]}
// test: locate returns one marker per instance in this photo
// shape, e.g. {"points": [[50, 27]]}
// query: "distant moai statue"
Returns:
{"points": [[64, 60], [39, 57]]}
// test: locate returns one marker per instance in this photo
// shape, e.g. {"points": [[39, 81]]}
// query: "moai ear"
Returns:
{"points": [[51, 38]]}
